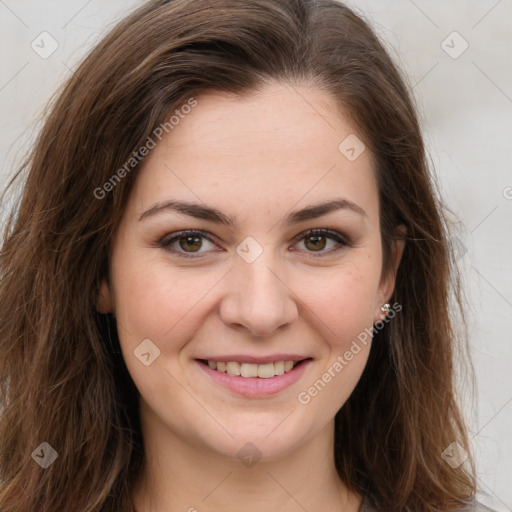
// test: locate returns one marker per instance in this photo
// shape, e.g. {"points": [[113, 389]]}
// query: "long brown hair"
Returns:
{"points": [[62, 378]]}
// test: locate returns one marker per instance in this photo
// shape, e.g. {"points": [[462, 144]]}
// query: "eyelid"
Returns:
{"points": [[342, 241], [170, 238], [329, 233]]}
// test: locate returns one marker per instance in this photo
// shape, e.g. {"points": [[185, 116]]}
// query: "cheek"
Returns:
{"points": [[344, 300], [157, 301], [343, 304]]}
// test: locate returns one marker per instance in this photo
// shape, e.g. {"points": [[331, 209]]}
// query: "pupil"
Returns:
{"points": [[318, 242], [194, 242]]}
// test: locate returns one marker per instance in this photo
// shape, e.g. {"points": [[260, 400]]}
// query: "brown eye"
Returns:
{"points": [[315, 242], [322, 242], [190, 243]]}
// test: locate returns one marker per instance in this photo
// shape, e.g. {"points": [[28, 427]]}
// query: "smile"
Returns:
{"points": [[254, 380], [263, 371]]}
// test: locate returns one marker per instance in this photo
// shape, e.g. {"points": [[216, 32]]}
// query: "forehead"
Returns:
{"points": [[279, 142], [277, 119]]}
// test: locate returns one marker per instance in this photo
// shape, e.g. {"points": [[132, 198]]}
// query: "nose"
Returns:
{"points": [[258, 299]]}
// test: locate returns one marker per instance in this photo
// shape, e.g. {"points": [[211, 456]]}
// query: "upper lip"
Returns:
{"points": [[241, 358]]}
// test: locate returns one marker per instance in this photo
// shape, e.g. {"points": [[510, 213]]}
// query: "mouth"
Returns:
{"points": [[252, 370], [253, 380]]}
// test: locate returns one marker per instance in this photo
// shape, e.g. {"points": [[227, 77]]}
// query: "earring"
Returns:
{"points": [[385, 308]]}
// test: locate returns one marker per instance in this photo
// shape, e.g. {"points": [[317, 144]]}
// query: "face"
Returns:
{"points": [[225, 254]]}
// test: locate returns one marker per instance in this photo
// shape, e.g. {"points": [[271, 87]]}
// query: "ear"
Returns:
{"points": [[104, 302], [387, 281]]}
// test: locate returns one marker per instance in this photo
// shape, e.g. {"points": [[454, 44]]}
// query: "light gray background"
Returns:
{"points": [[466, 107]]}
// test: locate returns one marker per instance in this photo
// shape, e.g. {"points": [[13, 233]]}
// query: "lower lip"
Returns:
{"points": [[255, 386]]}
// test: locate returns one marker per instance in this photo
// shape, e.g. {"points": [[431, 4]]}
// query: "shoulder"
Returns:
{"points": [[473, 506]]}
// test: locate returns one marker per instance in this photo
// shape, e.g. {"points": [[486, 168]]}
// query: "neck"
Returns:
{"points": [[180, 476]]}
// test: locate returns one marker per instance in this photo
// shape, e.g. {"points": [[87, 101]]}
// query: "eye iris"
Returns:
{"points": [[194, 243], [318, 242]]}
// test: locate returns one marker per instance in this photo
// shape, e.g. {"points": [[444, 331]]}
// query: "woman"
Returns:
{"points": [[227, 282]]}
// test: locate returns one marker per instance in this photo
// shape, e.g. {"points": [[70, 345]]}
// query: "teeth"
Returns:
{"points": [[233, 368], [263, 371], [279, 367], [248, 370], [266, 370]]}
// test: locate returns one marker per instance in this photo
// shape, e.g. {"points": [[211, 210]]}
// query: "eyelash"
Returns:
{"points": [[342, 241]]}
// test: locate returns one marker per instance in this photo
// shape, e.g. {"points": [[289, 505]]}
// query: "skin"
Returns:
{"points": [[256, 159]]}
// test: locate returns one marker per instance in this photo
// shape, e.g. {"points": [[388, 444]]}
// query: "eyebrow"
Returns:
{"points": [[212, 214]]}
